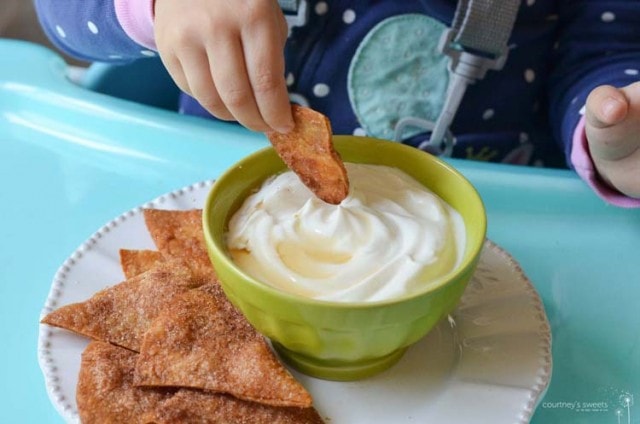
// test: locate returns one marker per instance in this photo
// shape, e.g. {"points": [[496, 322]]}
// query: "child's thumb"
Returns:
{"points": [[606, 106]]}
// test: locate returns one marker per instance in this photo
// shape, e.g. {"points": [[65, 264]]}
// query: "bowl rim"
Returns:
{"points": [[437, 284]]}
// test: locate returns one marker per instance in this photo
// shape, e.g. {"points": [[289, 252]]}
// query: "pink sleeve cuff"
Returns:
{"points": [[136, 19], [583, 164]]}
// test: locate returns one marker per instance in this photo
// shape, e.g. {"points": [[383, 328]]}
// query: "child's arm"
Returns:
{"points": [[93, 30], [226, 54], [599, 45]]}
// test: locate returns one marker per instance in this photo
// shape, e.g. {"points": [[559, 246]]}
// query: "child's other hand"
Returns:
{"points": [[228, 55], [613, 133]]}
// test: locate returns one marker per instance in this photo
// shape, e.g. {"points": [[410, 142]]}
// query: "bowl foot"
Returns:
{"points": [[338, 370]]}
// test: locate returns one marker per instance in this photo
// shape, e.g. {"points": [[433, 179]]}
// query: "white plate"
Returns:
{"points": [[490, 362]]}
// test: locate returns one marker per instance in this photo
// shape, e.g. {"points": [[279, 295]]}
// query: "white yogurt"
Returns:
{"points": [[390, 237]]}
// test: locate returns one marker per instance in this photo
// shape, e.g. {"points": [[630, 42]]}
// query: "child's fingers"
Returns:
{"points": [[229, 72], [173, 66], [606, 106], [263, 45], [195, 65], [611, 133]]}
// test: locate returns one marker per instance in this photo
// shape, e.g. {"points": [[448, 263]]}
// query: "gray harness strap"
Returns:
{"points": [[484, 25], [475, 43]]}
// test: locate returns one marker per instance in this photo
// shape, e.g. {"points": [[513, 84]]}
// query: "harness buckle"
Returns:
{"points": [[296, 12]]}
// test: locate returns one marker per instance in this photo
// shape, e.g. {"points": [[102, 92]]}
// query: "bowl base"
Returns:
{"points": [[338, 370]]}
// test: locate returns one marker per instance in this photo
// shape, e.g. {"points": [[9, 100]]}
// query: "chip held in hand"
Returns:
{"points": [[308, 151]]}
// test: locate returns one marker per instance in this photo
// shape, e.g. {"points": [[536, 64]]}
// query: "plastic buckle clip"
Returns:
{"points": [[469, 64], [296, 12], [465, 68]]}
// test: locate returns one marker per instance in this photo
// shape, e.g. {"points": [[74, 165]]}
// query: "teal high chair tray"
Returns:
{"points": [[72, 159]]}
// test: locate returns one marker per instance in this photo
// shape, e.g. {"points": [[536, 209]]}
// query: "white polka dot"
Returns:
{"points": [[582, 110], [524, 137], [322, 7], [574, 100], [92, 27], [349, 16], [299, 99], [608, 17], [290, 79], [115, 56], [529, 75], [321, 90], [488, 114], [60, 31], [531, 2], [360, 132], [631, 72], [147, 53]]}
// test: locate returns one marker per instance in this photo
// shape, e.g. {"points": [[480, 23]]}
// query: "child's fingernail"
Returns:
{"points": [[284, 129], [610, 107]]}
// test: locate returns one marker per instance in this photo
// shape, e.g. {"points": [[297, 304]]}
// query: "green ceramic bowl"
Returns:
{"points": [[333, 340]]}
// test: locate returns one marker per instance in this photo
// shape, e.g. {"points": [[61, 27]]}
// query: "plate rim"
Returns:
{"points": [[545, 371]]}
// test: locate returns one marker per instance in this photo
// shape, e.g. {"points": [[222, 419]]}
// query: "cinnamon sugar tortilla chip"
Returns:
{"points": [[179, 234], [201, 341], [135, 262], [105, 391], [105, 394], [122, 313], [190, 406], [308, 151]]}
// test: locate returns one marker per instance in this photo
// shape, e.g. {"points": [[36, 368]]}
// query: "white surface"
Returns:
{"points": [[490, 362]]}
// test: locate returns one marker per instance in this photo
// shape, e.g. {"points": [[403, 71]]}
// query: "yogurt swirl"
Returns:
{"points": [[390, 237]]}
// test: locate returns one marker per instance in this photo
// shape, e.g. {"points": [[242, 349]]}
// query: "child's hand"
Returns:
{"points": [[613, 132], [229, 56]]}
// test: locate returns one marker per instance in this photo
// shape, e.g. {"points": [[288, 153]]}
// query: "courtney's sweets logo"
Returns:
{"points": [[578, 406], [619, 407]]}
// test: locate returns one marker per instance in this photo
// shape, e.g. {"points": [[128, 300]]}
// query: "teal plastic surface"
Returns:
{"points": [[72, 159]]}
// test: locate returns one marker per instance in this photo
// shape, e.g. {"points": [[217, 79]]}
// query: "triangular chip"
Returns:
{"points": [[196, 407], [179, 234], [308, 151], [135, 262], [105, 394], [122, 313], [201, 341], [105, 391]]}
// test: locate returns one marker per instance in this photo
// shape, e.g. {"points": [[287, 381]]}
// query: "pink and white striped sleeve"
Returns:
{"points": [[136, 19]]}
